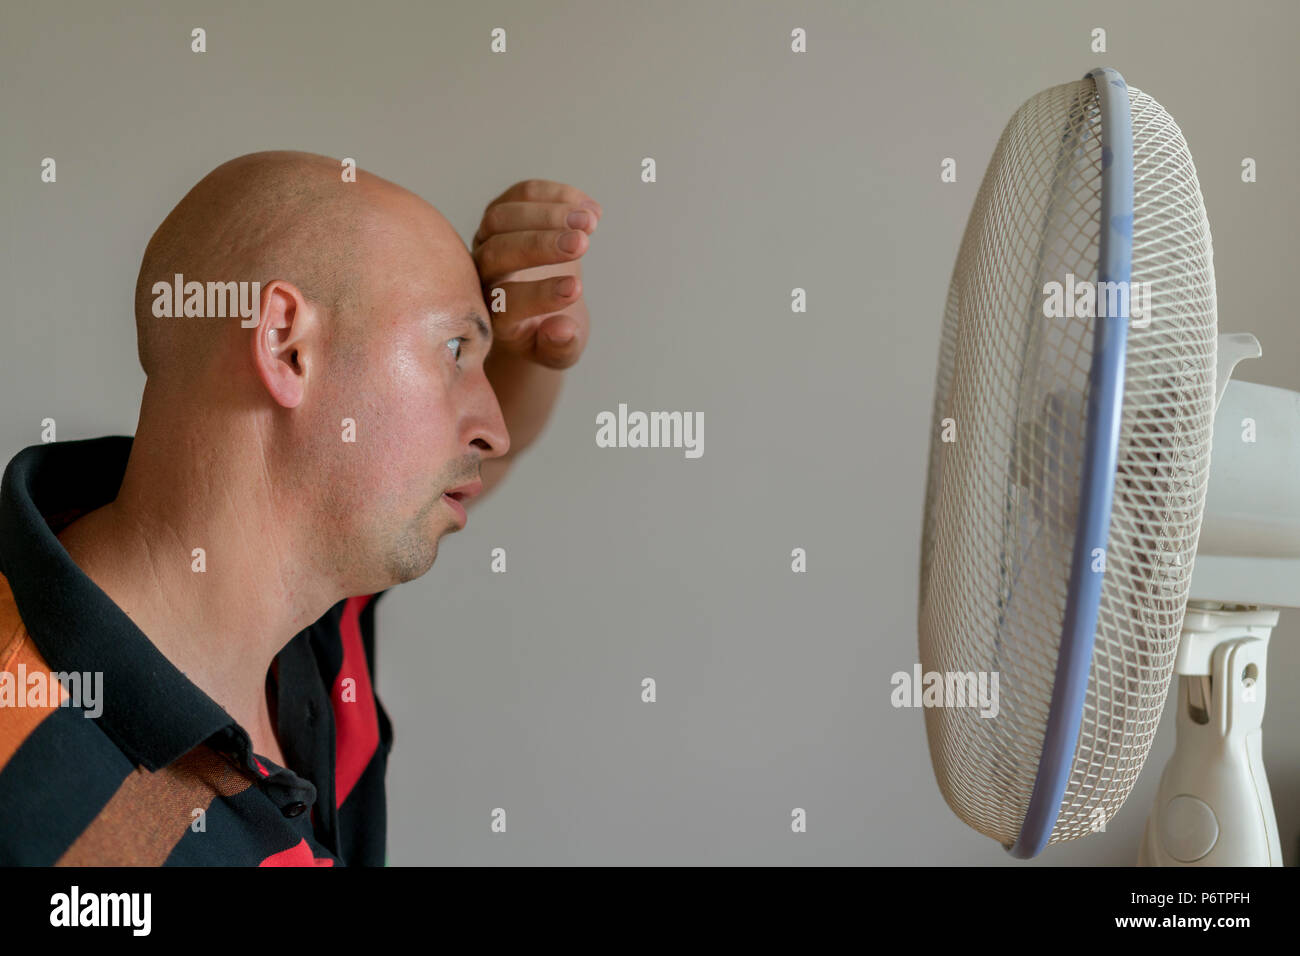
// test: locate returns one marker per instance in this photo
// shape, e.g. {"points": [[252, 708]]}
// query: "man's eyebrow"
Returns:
{"points": [[473, 318], [484, 330]]}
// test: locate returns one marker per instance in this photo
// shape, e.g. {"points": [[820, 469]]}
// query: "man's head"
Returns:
{"points": [[359, 397]]}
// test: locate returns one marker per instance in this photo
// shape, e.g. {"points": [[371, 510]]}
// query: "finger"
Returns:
{"points": [[526, 300], [546, 190], [520, 216], [559, 342], [511, 251], [514, 327]]}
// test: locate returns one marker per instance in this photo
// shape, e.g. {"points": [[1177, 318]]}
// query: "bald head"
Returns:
{"points": [[257, 218]]}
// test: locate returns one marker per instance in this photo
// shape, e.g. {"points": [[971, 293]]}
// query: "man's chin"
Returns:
{"points": [[413, 558]]}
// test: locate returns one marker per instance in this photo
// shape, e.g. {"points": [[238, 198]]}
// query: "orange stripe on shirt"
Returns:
{"points": [[146, 818], [17, 648]]}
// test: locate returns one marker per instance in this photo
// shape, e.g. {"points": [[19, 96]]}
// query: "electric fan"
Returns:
{"points": [[1068, 472]]}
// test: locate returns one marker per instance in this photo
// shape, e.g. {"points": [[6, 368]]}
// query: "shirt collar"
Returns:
{"points": [[152, 711]]}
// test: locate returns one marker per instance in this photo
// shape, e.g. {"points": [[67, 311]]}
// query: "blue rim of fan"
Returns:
{"points": [[1096, 491]]}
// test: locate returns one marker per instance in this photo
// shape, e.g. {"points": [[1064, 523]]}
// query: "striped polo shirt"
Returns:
{"points": [[109, 755]]}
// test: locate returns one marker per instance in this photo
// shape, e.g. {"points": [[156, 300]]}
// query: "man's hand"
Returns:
{"points": [[520, 248], [526, 230]]}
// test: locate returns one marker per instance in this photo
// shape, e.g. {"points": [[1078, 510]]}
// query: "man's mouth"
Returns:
{"points": [[457, 509], [456, 497]]}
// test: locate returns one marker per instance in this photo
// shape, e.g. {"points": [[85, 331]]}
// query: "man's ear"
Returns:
{"points": [[286, 342]]}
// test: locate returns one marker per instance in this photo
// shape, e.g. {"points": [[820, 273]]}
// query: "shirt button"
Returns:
{"points": [[293, 809]]}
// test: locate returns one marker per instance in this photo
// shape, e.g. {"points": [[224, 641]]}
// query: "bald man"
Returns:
{"points": [[186, 617]]}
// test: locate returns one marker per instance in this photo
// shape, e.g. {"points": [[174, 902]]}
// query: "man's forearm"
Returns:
{"points": [[527, 393]]}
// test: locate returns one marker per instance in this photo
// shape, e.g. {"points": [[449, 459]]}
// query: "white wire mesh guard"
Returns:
{"points": [[1002, 498]]}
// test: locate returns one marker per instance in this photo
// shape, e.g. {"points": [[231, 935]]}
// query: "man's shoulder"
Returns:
{"points": [[57, 767], [70, 794], [32, 694]]}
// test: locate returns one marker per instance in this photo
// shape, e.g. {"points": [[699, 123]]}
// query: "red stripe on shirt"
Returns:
{"points": [[299, 855], [356, 721]]}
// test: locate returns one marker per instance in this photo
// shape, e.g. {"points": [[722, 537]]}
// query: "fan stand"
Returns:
{"points": [[1214, 807]]}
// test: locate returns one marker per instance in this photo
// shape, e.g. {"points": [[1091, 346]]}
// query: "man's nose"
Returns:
{"points": [[489, 423]]}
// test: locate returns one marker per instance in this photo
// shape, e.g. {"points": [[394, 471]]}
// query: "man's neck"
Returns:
{"points": [[222, 613]]}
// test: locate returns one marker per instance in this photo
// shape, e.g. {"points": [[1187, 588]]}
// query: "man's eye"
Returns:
{"points": [[457, 349]]}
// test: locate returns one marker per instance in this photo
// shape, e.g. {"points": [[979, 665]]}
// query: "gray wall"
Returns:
{"points": [[522, 690]]}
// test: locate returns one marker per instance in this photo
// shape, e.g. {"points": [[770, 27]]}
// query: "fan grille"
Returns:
{"points": [[1002, 498]]}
